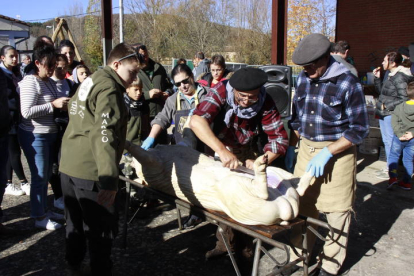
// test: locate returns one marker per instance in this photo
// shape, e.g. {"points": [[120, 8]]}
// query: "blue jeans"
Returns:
{"points": [[4, 153], [387, 134], [407, 147], [38, 149]]}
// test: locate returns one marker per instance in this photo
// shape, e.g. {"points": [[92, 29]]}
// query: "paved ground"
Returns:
{"points": [[381, 239]]}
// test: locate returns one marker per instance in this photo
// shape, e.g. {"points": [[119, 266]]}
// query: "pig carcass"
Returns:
{"points": [[266, 198]]}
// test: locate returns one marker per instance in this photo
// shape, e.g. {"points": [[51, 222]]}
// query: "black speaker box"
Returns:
{"points": [[279, 87]]}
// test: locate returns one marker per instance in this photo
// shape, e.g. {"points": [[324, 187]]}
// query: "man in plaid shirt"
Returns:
{"points": [[329, 114], [240, 112]]}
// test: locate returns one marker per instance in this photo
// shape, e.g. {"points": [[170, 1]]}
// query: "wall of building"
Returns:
{"points": [[374, 28]]}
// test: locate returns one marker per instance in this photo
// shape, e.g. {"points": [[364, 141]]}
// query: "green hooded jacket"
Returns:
{"points": [[94, 139]]}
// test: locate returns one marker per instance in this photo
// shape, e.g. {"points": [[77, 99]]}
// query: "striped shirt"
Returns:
{"points": [[36, 97]]}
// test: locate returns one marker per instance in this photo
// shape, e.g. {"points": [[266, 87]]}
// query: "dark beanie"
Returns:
{"points": [[248, 79]]}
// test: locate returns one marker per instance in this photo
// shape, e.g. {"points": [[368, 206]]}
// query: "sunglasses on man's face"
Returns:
{"points": [[184, 81]]}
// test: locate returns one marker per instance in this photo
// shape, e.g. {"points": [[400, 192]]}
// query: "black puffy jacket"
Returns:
{"points": [[392, 92], [4, 106]]}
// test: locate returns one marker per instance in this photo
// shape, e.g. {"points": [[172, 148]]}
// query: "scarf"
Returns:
{"points": [[242, 112], [75, 75], [134, 107]]}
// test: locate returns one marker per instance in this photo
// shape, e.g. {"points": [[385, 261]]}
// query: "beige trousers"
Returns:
{"points": [[333, 194]]}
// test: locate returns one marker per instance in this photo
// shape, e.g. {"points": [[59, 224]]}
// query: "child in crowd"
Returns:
{"points": [[138, 113], [80, 73], [65, 88], [403, 125]]}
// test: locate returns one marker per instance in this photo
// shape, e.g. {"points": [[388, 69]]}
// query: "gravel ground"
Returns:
{"points": [[380, 241]]}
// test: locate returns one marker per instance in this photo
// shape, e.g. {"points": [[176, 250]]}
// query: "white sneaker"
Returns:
{"points": [[26, 188], [14, 189], [47, 224], [58, 203], [55, 216]]}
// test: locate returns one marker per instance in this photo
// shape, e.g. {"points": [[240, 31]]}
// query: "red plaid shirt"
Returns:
{"points": [[242, 131]]}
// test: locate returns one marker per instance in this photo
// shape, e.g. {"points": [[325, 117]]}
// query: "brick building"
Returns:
{"points": [[374, 28]]}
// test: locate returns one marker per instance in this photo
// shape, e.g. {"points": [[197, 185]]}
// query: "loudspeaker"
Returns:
{"points": [[279, 87]]}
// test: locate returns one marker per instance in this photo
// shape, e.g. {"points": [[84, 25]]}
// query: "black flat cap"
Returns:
{"points": [[248, 79], [310, 48]]}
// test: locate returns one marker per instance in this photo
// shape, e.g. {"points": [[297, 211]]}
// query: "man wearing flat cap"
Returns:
{"points": [[239, 110], [330, 118]]}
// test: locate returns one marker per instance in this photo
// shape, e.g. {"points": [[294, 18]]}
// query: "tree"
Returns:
{"points": [[306, 17], [76, 21], [92, 38]]}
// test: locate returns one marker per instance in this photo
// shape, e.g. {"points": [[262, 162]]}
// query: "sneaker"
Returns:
{"points": [[26, 188], [383, 176], [391, 182], [14, 189], [47, 224], [55, 216], [58, 203], [405, 186]]}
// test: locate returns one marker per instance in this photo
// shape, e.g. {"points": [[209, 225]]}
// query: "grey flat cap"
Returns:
{"points": [[310, 48]]}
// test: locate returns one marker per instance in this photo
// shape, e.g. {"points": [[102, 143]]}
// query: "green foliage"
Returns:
{"points": [[92, 37]]}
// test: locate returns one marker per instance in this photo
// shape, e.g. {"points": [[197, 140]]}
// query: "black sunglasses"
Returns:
{"points": [[184, 81], [139, 57]]}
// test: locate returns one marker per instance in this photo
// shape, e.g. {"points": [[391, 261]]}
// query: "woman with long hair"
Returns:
{"points": [[39, 100], [393, 91]]}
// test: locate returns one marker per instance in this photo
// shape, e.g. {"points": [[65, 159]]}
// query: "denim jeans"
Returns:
{"points": [[407, 148], [4, 153], [387, 134], [38, 149]]}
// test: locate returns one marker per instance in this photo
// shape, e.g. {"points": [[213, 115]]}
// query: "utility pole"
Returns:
{"points": [[121, 21], [279, 31], [106, 10]]}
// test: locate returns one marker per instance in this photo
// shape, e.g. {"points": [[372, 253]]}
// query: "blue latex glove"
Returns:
{"points": [[317, 164], [290, 159], [148, 143]]}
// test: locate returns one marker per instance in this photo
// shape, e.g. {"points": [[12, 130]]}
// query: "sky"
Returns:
{"points": [[42, 10]]}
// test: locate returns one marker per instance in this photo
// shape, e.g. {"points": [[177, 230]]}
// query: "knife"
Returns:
{"points": [[243, 169]]}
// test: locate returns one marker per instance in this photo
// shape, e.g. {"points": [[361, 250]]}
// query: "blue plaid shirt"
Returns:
{"points": [[326, 110]]}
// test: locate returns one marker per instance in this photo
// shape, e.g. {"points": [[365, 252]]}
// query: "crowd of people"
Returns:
{"points": [[74, 127]]}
